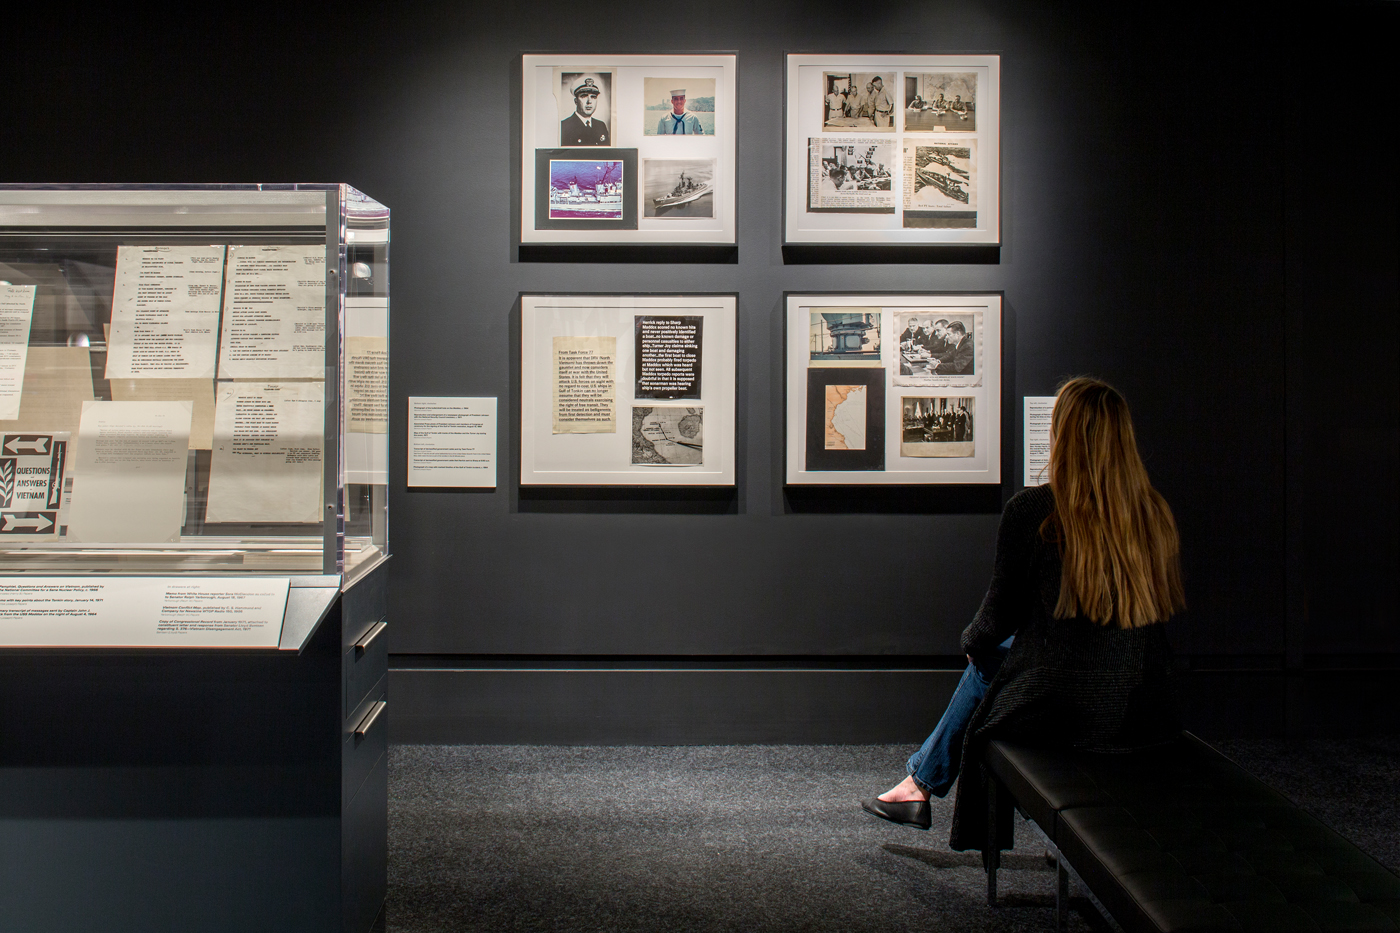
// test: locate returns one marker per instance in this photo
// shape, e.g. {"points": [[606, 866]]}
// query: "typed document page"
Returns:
{"points": [[165, 312], [1036, 431], [16, 312], [274, 324], [266, 464], [451, 441]]}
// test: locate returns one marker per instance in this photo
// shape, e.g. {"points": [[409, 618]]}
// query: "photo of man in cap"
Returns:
{"points": [[679, 122], [582, 128]]}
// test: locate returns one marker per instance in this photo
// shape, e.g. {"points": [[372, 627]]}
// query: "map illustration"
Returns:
{"points": [[668, 436], [845, 417]]}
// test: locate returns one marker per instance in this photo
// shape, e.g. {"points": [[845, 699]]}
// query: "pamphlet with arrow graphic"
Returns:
{"points": [[33, 468]]}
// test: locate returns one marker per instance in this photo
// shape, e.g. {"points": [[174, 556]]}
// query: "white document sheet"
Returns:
{"points": [[57, 380], [266, 464], [165, 312], [128, 470], [16, 312], [144, 612], [451, 441], [274, 324], [1036, 432]]}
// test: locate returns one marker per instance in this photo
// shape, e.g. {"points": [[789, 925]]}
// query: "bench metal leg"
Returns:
{"points": [[1061, 893], [991, 855]]}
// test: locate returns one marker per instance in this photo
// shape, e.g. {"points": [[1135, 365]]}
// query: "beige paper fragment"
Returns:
{"points": [[57, 380], [367, 385], [198, 391], [585, 385]]}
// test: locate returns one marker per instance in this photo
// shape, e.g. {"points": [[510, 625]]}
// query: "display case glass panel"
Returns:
{"points": [[193, 379]]}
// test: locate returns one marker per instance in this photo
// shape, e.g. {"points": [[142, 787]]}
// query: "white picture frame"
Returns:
{"points": [[844, 349], [633, 89], [687, 389], [881, 165]]}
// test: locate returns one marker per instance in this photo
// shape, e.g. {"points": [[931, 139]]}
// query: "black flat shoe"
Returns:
{"points": [[913, 813]]}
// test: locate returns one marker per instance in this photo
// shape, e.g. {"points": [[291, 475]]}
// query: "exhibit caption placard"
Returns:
{"points": [[142, 612]]}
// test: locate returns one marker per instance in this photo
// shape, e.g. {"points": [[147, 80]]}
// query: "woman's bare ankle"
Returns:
{"points": [[905, 790]]}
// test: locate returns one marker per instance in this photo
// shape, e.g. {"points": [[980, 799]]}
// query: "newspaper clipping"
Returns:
{"points": [[585, 390], [853, 175], [941, 176], [939, 347]]}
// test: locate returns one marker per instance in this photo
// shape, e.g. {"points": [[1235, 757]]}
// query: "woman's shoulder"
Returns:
{"points": [[1031, 504]]}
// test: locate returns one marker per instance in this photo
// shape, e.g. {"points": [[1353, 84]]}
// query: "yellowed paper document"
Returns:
{"points": [[266, 464], [57, 381], [367, 385], [585, 385], [200, 392]]}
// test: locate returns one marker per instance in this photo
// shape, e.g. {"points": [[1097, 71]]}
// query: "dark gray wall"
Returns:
{"points": [[1195, 208]]}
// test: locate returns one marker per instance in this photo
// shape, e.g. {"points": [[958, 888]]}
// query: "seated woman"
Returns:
{"points": [[1068, 646]]}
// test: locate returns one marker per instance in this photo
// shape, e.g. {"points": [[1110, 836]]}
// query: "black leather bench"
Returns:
{"points": [[1180, 838]]}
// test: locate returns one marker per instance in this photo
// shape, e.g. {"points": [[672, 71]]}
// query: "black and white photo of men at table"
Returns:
{"points": [[936, 426], [945, 102], [937, 348]]}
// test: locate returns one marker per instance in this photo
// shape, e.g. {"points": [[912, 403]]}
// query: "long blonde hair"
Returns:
{"points": [[1116, 534]]}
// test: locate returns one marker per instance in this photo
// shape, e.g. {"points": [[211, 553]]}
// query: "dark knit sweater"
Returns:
{"points": [[1067, 682]]}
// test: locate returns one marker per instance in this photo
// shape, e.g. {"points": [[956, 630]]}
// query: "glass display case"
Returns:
{"points": [[193, 379]]}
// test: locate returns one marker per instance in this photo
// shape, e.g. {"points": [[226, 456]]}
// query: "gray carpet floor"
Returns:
{"points": [[751, 838]]}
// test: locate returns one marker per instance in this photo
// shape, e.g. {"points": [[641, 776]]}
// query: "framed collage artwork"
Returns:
{"points": [[890, 388], [628, 149], [892, 150], [627, 390]]}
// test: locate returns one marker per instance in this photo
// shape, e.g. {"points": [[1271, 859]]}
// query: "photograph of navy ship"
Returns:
{"points": [[940, 102], [678, 107], [586, 107], [589, 190], [936, 427], [844, 337], [668, 436], [942, 177], [678, 188], [858, 102]]}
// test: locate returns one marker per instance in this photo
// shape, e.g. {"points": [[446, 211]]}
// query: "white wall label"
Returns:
{"points": [[451, 441]]}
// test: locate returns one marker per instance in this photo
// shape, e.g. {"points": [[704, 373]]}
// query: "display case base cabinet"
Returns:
{"points": [[211, 791]]}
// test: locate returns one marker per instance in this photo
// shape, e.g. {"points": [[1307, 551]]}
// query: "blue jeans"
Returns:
{"points": [[934, 767]]}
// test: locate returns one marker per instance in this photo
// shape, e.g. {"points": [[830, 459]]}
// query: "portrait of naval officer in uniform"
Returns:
{"points": [[582, 128], [679, 122]]}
